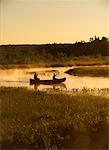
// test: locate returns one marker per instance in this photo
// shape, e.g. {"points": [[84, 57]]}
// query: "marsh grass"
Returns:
{"points": [[104, 92], [41, 120], [94, 71], [59, 62]]}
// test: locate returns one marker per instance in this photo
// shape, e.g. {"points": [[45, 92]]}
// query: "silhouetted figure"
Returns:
{"points": [[54, 75], [35, 76]]}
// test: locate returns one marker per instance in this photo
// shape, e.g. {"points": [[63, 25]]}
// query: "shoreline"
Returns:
{"points": [[27, 66], [92, 71]]}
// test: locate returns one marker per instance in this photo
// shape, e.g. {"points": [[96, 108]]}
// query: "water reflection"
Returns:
{"points": [[54, 87]]}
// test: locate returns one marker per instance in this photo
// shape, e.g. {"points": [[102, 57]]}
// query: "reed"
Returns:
{"points": [[58, 62], [40, 120]]}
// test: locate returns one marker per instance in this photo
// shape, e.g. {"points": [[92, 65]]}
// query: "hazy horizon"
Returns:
{"points": [[55, 21]]}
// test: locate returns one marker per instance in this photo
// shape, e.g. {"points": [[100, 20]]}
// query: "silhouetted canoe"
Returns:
{"points": [[47, 82]]}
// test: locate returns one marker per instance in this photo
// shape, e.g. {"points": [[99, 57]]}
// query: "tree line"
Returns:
{"points": [[34, 53]]}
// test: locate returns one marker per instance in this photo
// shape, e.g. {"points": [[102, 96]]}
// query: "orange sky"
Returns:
{"points": [[49, 21]]}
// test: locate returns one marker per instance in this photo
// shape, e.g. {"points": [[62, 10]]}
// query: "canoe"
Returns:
{"points": [[47, 82]]}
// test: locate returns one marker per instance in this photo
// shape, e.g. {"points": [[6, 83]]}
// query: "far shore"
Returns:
{"points": [[23, 66], [58, 62]]}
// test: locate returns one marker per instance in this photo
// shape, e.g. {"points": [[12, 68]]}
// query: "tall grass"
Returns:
{"points": [[62, 61], [40, 120]]}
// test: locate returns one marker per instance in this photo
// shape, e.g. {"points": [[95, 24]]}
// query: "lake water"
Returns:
{"points": [[21, 77]]}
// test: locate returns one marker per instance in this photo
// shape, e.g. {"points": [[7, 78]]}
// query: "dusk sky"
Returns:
{"points": [[49, 21]]}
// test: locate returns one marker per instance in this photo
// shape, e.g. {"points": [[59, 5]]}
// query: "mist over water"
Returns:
{"points": [[21, 77]]}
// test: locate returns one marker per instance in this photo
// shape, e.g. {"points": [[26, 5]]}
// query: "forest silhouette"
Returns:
{"points": [[21, 54]]}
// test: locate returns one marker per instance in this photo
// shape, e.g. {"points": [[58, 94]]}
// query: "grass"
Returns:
{"points": [[41, 120], [60, 62], [96, 71]]}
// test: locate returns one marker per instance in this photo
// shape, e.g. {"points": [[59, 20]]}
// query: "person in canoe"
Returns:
{"points": [[35, 77], [54, 75]]}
